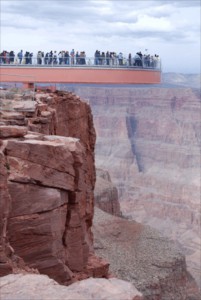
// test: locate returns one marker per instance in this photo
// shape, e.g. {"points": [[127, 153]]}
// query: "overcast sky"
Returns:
{"points": [[168, 28]]}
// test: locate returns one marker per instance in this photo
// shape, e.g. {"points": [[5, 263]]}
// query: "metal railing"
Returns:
{"points": [[151, 62]]}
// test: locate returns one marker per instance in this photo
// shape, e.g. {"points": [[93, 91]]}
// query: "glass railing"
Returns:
{"points": [[115, 62]]}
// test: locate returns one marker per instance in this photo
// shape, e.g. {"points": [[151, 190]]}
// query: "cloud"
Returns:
{"points": [[92, 24], [182, 3], [101, 17], [52, 10]]}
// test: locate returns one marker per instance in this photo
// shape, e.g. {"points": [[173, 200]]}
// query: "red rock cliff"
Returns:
{"points": [[47, 183]]}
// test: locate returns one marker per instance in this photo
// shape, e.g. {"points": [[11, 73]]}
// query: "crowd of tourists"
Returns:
{"points": [[79, 58]]}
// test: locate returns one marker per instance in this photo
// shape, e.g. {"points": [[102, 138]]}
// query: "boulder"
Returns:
{"points": [[106, 194]]}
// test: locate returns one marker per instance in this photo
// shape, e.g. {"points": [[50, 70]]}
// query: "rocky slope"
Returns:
{"points": [[141, 255], [148, 138], [47, 182]]}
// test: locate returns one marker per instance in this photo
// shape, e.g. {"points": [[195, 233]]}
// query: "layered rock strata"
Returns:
{"points": [[47, 183], [148, 138], [106, 194]]}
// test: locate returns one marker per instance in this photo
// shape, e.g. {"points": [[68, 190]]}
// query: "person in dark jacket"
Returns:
{"points": [[12, 57]]}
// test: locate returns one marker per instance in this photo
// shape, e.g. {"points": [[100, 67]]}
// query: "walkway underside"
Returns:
{"points": [[79, 75]]}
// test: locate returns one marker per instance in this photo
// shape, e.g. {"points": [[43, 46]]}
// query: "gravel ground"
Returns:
{"points": [[140, 254]]}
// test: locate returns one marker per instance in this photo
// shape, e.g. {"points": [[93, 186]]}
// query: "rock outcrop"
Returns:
{"points": [[47, 182], [141, 255], [15, 287], [148, 138], [106, 194]]}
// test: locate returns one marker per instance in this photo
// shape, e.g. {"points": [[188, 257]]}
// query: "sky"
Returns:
{"points": [[168, 28]]}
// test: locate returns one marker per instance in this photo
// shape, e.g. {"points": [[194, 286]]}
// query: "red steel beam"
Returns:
{"points": [[79, 75]]}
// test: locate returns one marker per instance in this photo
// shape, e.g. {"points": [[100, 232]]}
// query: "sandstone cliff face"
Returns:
{"points": [[106, 194], [149, 141], [5, 203], [47, 181]]}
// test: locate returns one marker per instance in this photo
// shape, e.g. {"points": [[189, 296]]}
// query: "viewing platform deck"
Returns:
{"points": [[98, 74]]}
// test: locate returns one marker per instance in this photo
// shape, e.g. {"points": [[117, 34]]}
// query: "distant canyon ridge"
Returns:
{"points": [[178, 79], [148, 139]]}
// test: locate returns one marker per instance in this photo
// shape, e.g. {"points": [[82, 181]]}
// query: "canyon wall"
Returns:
{"points": [[148, 138], [47, 180], [179, 79]]}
